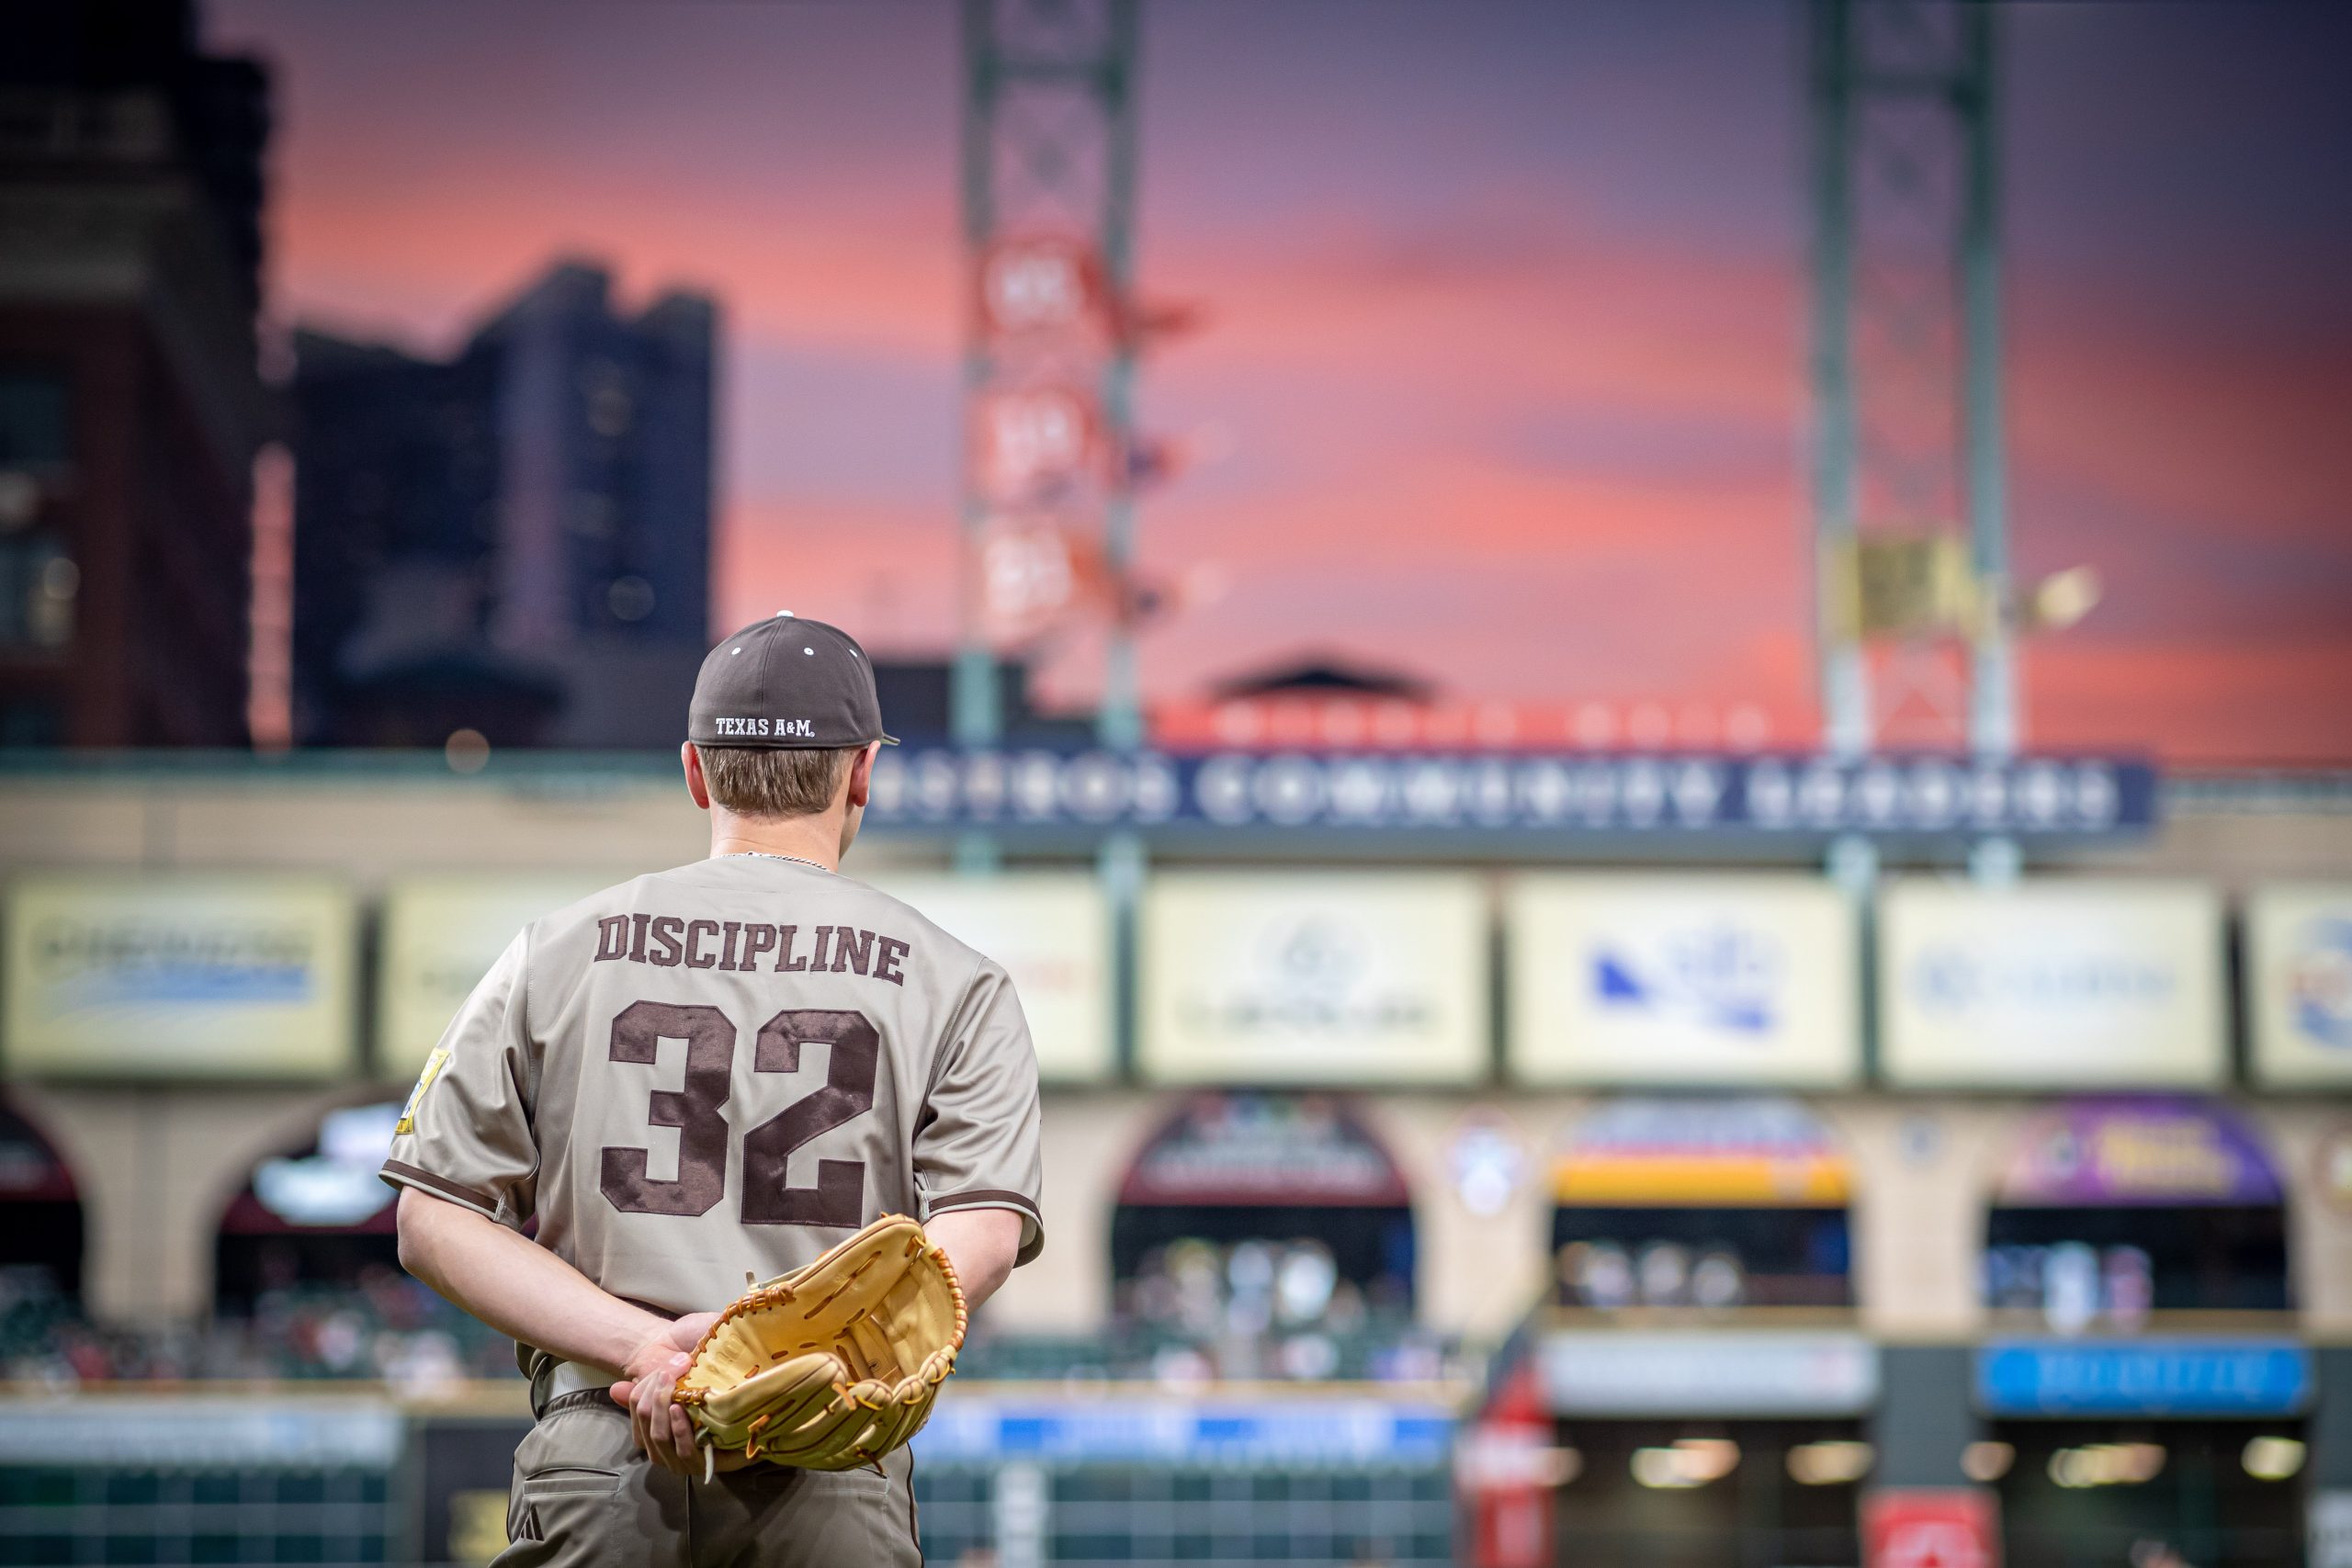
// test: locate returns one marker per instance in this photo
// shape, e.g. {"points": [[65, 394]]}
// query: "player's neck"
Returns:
{"points": [[817, 839]]}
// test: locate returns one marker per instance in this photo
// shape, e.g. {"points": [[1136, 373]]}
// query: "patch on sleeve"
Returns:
{"points": [[432, 1066]]}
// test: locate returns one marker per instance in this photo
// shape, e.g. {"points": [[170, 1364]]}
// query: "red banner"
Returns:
{"points": [[1932, 1527], [1508, 1471]]}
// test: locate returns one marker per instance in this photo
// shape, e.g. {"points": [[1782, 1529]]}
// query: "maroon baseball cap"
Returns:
{"points": [[787, 684]]}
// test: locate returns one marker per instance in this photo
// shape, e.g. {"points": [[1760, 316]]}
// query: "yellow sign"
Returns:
{"points": [[180, 976], [476, 1526], [1905, 585], [441, 935], [1704, 1180]]}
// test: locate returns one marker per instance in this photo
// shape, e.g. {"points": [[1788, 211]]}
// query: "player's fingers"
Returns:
{"points": [[623, 1393], [670, 1442], [642, 1423], [637, 1426]]}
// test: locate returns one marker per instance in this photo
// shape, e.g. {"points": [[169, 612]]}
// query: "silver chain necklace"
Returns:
{"points": [[795, 860]]}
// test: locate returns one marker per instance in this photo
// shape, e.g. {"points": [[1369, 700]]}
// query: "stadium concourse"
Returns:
{"points": [[1443, 1189]]}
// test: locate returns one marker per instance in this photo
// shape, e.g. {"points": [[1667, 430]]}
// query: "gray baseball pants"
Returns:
{"points": [[585, 1497]]}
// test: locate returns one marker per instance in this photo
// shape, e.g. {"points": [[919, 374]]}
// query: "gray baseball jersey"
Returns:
{"points": [[723, 1070]]}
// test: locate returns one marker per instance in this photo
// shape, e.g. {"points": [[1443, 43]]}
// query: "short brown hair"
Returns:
{"points": [[772, 781]]}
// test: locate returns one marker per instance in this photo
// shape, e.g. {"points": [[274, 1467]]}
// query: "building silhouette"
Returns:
{"points": [[130, 404], [515, 540]]}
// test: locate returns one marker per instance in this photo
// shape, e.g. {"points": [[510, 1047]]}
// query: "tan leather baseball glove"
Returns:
{"points": [[832, 1366]]}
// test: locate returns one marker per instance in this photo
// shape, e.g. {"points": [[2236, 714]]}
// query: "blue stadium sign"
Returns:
{"points": [[2143, 1377], [1162, 1429], [1504, 792]]}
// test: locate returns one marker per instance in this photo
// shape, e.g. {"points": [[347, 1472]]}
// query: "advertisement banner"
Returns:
{"points": [[1298, 1428], [1469, 792], [325, 1186], [2143, 1377], [1682, 979], [1609, 1373], [180, 976], [2059, 984], [1264, 1150], [226, 1431], [1932, 1527], [1052, 934], [1314, 978], [1757, 1151], [441, 934], [2298, 985], [2097, 1154]]}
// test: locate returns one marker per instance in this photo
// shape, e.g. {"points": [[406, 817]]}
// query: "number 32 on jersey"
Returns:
{"points": [[838, 1198]]}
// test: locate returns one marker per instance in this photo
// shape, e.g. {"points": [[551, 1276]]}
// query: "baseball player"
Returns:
{"points": [[705, 1076]]}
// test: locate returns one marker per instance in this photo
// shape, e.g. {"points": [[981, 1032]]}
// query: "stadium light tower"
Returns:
{"points": [[1917, 615], [1051, 459], [1049, 175]]}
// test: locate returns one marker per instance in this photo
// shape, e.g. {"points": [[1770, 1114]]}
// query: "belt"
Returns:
{"points": [[566, 1385]]}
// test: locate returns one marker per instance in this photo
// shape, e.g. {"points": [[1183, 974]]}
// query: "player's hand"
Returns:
{"points": [[648, 1379]]}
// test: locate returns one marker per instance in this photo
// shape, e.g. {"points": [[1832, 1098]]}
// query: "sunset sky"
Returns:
{"points": [[1503, 375]]}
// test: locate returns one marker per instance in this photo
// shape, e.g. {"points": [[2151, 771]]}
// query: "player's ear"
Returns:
{"points": [[861, 773], [697, 786]]}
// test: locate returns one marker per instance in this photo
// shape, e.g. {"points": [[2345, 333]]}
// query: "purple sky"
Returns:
{"points": [[1503, 375]]}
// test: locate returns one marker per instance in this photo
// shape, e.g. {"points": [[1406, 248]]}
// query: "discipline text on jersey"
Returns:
{"points": [[670, 940]]}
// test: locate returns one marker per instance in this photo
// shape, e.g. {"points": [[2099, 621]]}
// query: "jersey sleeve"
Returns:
{"points": [[975, 1138], [465, 1134]]}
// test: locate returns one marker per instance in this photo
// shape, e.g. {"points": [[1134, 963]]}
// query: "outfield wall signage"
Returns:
{"points": [[1688, 979], [1333, 978], [114, 1432], [1702, 1152], [1052, 934], [2143, 1377], [1302, 1428], [441, 934], [1731, 1375], [1568, 791], [2051, 983], [2298, 985], [1289, 1151], [2159, 1153], [180, 977]]}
